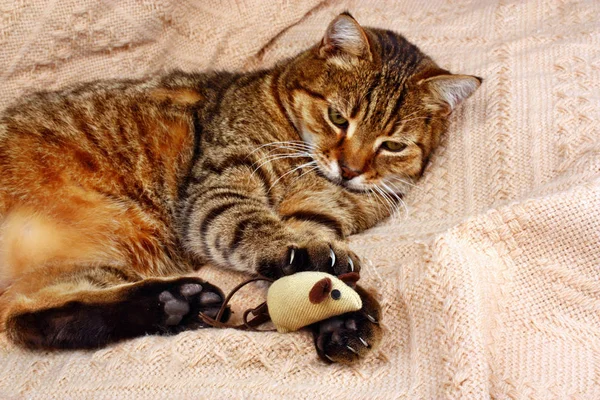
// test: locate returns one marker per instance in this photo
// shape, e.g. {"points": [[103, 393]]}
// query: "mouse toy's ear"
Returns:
{"points": [[320, 291]]}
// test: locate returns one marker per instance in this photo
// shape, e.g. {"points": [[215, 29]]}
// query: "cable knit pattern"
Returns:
{"points": [[490, 286]]}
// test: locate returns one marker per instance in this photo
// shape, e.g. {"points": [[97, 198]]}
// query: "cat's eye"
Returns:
{"points": [[392, 146], [337, 118]]}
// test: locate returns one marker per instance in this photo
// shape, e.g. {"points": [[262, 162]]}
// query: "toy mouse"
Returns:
{"points": [[301, 299], [298, 300]]}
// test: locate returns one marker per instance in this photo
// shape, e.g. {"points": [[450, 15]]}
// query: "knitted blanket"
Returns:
{"points": [[489, 280]]}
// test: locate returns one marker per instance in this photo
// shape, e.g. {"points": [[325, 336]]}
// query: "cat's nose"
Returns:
{"points": [[348, 173]]}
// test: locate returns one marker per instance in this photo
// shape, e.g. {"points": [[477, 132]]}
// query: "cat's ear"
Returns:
{"points": [[447, 91], [345, 35]]}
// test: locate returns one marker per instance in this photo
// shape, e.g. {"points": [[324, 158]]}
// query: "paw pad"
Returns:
{"points": [[190, 289], [210, 298], [174, 308], [183, 301]]}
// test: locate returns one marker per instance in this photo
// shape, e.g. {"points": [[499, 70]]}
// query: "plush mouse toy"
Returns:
{"points": [[298, 300], [301, 299]]}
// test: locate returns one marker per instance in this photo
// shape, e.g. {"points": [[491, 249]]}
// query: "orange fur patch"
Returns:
{"points": [[30, 239], [177, 96]]}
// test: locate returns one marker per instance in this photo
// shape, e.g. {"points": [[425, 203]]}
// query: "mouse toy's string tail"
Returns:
{"points": [[260, 313]]}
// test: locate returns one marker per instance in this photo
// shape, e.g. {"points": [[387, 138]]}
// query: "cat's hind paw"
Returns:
{"points": [[184, 299]]}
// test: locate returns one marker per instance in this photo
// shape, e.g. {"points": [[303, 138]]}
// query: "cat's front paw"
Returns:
{"points": [[287, 258], [349, 337]]}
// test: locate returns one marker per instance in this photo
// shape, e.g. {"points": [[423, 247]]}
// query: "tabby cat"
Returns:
{"points": [[111, 191]]}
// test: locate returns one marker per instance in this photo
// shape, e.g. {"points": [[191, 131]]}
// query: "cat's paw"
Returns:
{"points": [[333, 257], [349, 337], [184, 299]]}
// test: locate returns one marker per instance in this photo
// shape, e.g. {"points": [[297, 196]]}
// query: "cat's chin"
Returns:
{"points": [[355, 185], [363, 187], [350, 185]]}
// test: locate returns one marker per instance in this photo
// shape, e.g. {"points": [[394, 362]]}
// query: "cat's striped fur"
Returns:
{"points": [[110, 191]]}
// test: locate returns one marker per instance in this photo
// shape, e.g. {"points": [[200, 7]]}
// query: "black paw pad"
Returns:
{"points": [[210, 299], [174, 308], [183, 300], [190, 289]]}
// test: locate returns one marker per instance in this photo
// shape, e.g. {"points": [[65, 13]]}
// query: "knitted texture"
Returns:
{"points": [[291, 308], [489, 281]]}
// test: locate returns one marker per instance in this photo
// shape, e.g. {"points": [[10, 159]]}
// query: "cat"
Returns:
{"points": [[112, 191]]}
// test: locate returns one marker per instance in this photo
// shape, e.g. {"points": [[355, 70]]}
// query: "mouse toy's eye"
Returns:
{"points": [[335, 294], [392, 146], [337, 118]]}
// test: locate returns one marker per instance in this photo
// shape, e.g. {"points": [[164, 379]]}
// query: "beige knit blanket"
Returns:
{"points": [[490, 280]]}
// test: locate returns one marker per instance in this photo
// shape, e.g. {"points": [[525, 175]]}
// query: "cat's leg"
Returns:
{"points": [[238, 231], [348, 337], [91, 307], [232, 218]]}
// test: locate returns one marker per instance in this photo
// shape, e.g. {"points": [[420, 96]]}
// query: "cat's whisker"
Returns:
{"points": [[410, 115], [393, 198], [309, 170], [293, 145], [398, 198], [288, 148], [389, 204], [370, 194], [295, 149], [374, 198], [403, 203], [270, 158], [289, 153], [394, 187], [416, 118], [312, 168], [290, 172], [296, 143], [397, 187], [280, 142], [389, 189], [398, 179], [280, 157], [406, 213]]}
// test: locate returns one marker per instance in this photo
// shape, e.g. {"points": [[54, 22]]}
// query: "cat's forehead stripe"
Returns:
{"points": [[351, 129]]}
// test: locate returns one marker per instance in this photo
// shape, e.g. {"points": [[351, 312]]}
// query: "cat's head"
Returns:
{"points": [[370, 105]]}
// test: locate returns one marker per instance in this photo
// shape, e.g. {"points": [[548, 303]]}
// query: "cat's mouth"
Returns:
{"points": [[332, 172], [330, 169], [357, 184]]}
